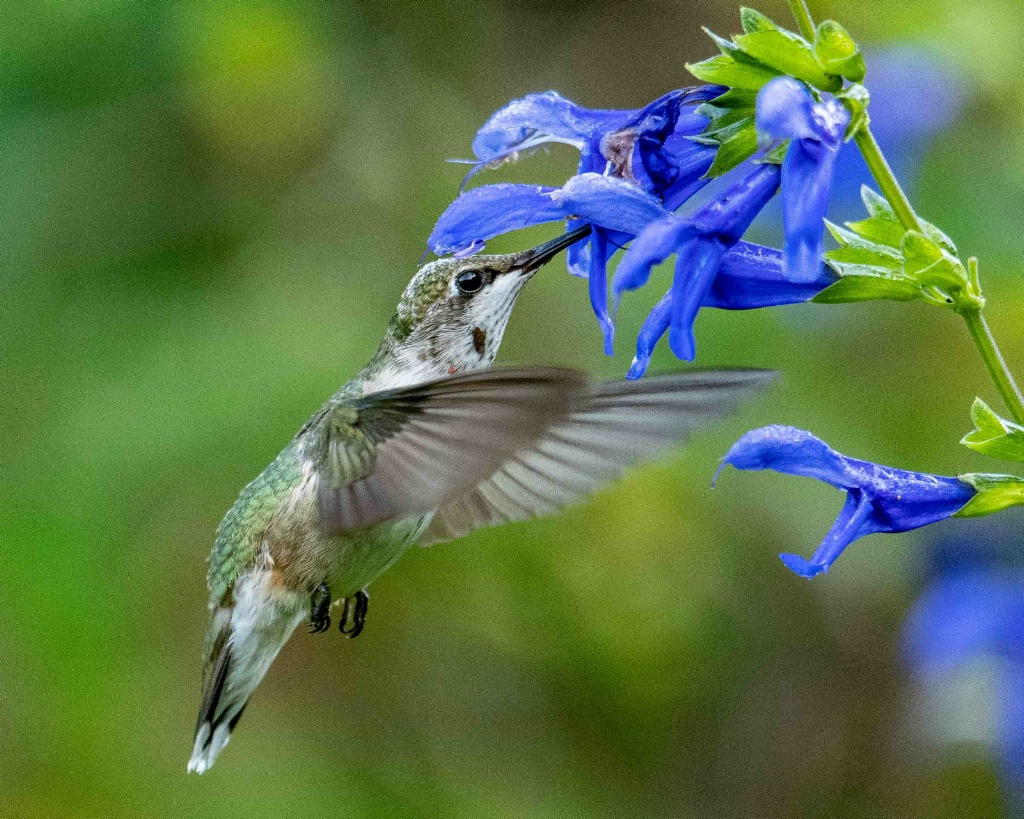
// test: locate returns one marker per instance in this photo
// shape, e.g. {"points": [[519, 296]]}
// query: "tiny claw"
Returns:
{"points": [[320, 609], [354, 608]]}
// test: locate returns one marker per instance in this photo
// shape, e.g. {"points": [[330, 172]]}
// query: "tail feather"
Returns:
{"points": [[243, 641]]}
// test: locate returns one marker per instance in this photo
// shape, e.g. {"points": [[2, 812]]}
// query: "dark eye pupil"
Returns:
{"points": [[469, 281]]}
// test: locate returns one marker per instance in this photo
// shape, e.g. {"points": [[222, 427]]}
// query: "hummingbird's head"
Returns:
{"points": [[453, 314]]}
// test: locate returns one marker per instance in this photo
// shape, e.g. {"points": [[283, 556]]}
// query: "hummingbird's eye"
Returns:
{"points": [[469, 281]]}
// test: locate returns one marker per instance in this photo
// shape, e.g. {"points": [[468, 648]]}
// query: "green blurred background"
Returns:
{"points": [[208, 212]]}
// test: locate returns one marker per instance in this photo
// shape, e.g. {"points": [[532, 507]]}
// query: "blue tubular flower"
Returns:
{"points": [[749, 276], [879, 498], [627, 143], [649, 147], [700, 241], [786, 110]]}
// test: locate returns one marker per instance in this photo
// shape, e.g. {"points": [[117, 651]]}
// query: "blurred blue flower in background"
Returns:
{"points": [[916, 94], [787, 111], [970, 617], [878, 498]]}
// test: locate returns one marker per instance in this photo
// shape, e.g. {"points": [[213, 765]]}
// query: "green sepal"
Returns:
{"points": [[752, 20], [789, 54], [850, 238], [864, 283], [876, 204], [837, 53], [776, 155], [725, 70], [737, 147], [995, 493], [856, 100], [927, 263], [882, 230], [994, 436]]}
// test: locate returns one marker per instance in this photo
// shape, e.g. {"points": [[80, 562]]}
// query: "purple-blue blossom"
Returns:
{"points": [[970, 613], [636, 168], [786, 110], [878, 498]]}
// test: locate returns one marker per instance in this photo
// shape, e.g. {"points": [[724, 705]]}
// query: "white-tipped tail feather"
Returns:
{"points": [[243, 641]]}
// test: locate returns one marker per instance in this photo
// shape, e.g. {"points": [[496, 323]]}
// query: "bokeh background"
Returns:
{"points": [[208, 211]]}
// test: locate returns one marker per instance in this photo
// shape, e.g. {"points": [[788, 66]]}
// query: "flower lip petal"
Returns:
{"points": [[651, 247], [489, 211], [609, 202]]}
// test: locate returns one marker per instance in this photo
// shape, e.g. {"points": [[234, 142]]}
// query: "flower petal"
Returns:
{"points": [[597, 284], [791, 451], [806, 182], [696, 267], [653, 328], [752, 276], [544, 117], [489, 211], [879, 499], [729, 216], [847, 528], [651, 247], [785, 110], [609, 202]]}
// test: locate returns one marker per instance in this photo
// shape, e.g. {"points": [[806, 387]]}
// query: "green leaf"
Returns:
{"points": [[733, 151], [995, 493], [724, 70], [927, 263], [837, 53], [788, 54], [752, 20], [864, 283], [994, 436]]}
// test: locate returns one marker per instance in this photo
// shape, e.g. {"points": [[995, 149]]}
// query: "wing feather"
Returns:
{"points": [[609, 427]]}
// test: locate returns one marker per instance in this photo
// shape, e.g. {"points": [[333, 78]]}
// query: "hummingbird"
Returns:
{"points": [[425, 444]]}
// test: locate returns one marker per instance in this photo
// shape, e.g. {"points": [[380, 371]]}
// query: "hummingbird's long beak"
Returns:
{"points": [[530, 261]]}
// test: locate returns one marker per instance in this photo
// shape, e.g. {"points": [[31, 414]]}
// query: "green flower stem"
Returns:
{"points": [[971, 311], [886, 179], [993, 359], [803, 18]]}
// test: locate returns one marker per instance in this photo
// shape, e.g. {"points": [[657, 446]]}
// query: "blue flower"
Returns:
{"points": [[617, 209], [749, 276], [649, 147], [878, 498], [699, 242], [915, 96], [972, 612], [786, 110]]}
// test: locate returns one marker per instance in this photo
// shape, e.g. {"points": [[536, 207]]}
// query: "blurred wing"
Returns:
{"points": [[610, 426], [403, 453]]}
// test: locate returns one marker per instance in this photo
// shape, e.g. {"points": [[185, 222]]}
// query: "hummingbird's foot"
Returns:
{"points": [[353, 614], [320, 609]]}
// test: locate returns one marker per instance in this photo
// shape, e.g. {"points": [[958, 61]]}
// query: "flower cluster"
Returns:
{"points": [[637, 167], [772, 119]]}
